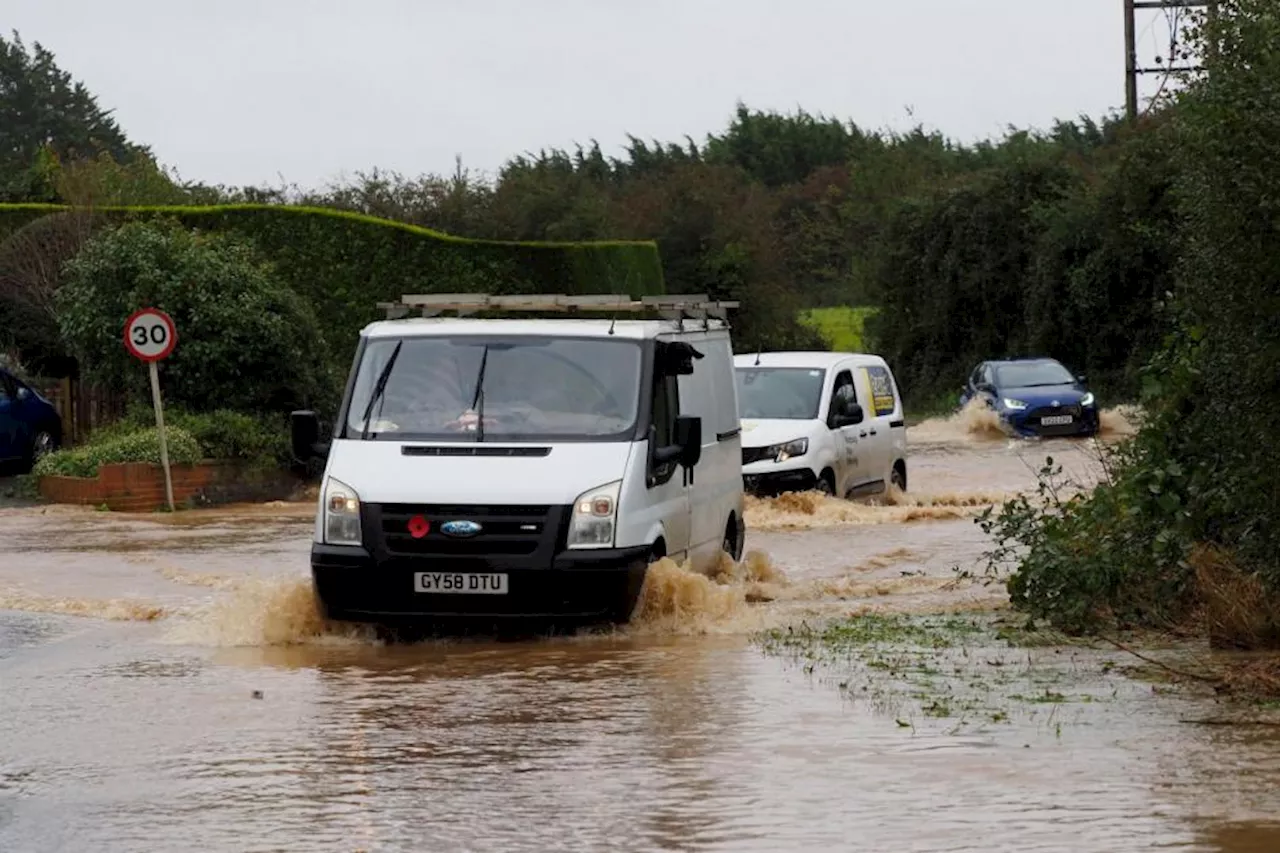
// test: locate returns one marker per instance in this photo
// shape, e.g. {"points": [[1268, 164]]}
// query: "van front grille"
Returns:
{"points": [[504, 530]]}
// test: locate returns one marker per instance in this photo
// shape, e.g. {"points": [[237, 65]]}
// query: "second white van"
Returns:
{"points": [[826, 421]]}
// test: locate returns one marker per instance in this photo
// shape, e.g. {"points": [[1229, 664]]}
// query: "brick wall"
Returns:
{"points": [[139, 486]]}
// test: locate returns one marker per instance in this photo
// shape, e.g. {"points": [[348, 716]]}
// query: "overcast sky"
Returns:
{"points": [[256, 91]]}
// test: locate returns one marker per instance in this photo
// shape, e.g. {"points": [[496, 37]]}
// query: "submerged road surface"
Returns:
{"points": [[165, 684]]}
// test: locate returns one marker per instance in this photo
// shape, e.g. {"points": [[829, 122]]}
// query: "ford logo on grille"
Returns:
{"points": [[460, 528]]}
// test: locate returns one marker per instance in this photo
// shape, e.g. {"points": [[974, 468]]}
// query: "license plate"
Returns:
{"points": [[1056, 420], [461, 583]]}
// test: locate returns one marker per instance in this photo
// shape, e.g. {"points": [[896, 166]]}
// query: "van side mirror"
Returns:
{"points": [[850, 415], [675, 358], [689, 439], [304, 437]]}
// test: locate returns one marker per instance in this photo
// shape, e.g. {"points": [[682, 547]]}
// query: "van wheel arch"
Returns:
{"points": [[898, 477], [828, 478]]}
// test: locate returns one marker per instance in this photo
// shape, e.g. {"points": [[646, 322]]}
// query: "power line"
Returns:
{"points": [[1174, 10]]}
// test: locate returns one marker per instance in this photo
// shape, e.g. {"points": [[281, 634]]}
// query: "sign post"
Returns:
{"points": [[150, 336]]}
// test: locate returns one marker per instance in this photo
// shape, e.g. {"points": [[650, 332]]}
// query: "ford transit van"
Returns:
{"points": [[531, 467]]}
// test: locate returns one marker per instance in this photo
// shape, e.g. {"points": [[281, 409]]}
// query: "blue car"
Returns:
{"points": [[30, 426], [1034, 397]]}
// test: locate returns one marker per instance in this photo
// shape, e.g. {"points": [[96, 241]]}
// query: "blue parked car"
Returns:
{"points": [[30, 426], [1034, 397]]}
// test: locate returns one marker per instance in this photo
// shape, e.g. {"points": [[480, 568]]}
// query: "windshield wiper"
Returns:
{"points": [[478, 399], [378, 388]]}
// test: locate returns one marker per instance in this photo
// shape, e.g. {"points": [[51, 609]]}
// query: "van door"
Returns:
{"points": [[716, 492], [848, 451], [698, 398], [882, 410], [668, 496]]}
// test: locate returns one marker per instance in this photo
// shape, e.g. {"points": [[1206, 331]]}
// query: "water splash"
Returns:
{"points": [[111, 609], [267, 612], [973, 423], [976, 424], [810, 510]]}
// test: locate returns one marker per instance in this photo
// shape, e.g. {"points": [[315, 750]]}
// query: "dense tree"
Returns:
{"points": [[45, 115], [248, 342]]}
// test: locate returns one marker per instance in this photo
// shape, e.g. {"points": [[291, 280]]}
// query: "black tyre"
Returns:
{"points": [[733, 536]]}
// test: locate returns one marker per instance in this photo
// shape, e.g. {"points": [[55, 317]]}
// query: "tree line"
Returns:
{"points": [[1055, 242]]}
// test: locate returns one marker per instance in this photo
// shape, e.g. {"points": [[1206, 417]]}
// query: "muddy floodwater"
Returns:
{"points": [[165, 684]]}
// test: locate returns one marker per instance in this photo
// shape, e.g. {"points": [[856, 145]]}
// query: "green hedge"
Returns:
{"points": [[345, 263], [221, 434], [120, 446]]}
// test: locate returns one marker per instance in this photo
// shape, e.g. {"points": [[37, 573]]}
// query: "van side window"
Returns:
{"points": [[843, 394], [665, 409], [883, 399]]}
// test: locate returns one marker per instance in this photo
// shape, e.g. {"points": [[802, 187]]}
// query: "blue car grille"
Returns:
{"points": [[1041, 412]]}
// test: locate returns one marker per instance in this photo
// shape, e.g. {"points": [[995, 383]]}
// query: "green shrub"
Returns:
{"points": [[245, 340], [1203, 473], [117, 447], [221, 434]]}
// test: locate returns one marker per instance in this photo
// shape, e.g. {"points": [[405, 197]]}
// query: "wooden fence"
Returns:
{"points": [[83, 408]]}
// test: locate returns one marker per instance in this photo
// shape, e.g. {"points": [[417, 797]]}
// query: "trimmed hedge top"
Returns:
{"points": [[345, 263]]}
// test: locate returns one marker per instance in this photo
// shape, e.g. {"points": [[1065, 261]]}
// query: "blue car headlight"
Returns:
{"points": [[1014, 405], [1087, 399]]}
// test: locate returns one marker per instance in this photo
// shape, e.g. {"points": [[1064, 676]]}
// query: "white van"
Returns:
{"points": [[830, 421], [525, 467]]}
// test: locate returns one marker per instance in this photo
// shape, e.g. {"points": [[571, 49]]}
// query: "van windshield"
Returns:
{"points": [[784, 393], [527, 388]]}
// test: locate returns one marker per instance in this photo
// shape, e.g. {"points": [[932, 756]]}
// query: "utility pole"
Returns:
{"points": [[1132, 70]]}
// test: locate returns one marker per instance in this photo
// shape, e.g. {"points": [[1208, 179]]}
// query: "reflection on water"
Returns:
{"points": [[218, 710]]}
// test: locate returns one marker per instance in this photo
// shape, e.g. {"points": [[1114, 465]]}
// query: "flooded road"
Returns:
{"points": [[166, 683]]}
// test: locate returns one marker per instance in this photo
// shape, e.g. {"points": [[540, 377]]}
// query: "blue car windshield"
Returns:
{"points": [[1031, 374], [783, 393]]}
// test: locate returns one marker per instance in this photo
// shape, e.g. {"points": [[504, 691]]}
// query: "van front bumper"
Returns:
{"points": [[771, 483], [351, 585]]}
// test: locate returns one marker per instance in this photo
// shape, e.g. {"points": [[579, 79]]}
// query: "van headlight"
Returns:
{"points": [[787, 450], [594, 518], [341, 514]]}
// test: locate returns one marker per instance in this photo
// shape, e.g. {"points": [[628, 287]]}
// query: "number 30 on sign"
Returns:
{"points": [[150, 335]]}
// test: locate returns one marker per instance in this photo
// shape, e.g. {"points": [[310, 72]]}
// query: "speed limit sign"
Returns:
{"points": [[150, 335]]}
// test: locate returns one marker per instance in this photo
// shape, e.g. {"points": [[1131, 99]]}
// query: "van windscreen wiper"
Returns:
{"points": [[378, 388], [477, 402]]}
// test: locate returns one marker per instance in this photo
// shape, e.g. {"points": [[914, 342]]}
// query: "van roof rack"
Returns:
{"points": [[672, 307]]}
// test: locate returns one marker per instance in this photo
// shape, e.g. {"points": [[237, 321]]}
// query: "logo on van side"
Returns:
{"points": [[461, 529]]}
